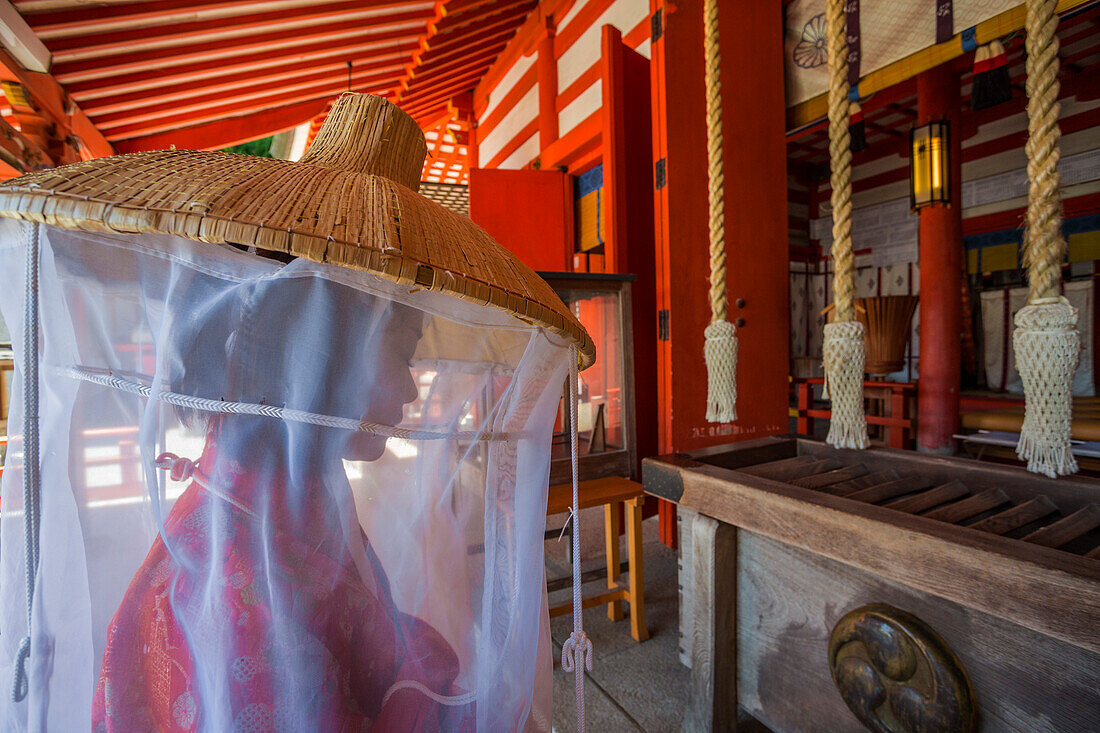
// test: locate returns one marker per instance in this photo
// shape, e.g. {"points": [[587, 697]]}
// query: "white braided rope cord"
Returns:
{"points": [[576, 652], [280, 413], [720, 345], [844, 351], [1046, 342]]}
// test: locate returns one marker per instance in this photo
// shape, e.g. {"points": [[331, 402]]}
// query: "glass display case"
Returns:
{"points": [[605, 414]]}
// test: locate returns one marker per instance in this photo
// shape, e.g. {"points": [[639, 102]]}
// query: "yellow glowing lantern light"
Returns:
{"points": [[928, 165]]}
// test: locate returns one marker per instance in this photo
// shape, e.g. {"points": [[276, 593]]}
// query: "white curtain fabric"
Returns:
{"points": [[998, 311], [294, 572]]}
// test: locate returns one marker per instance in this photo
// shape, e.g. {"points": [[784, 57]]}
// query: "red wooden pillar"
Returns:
{"points": [[547, 74], [757, 244], [941, 248]]}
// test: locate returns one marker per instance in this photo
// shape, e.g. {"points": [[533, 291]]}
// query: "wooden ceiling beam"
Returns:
{"points": [[55, 105], [274, 60], [436, 56], [83, 20], [458, 86], [465, 36], [251, 46], [287, 74], [431, 70], [163, 124], [230, 131], [249, 24], [476, 65], [462, 19], [223, 104]]}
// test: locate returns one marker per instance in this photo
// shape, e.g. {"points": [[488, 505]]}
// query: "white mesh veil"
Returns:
{"points": [[274, 496]]}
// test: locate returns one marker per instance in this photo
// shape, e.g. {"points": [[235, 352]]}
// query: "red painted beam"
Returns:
{"points": [[354, 49], [177, 55], [210, 114], [223, 104], [223, 133], [481, 13], [429, 67], [469, 36], [348, 11], [547, 70], [435, 80], [283, 75], [51, 23], [436, 56], [458, 86], [522, 86]]}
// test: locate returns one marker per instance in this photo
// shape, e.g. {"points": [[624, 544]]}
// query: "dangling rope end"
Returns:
{"points": [[845, 354], [720, 354], [1047, 347], [19, 685]]}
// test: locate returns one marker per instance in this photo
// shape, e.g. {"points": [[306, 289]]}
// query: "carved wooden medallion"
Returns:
{"points": [[897, 675]]}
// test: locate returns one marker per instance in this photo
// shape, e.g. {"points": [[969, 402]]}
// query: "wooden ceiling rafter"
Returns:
{"points": [[276, 58], [251, 24], [227, 101], [245, 80], [169, 72], [230, 130], [262, 102], [229, 47]]}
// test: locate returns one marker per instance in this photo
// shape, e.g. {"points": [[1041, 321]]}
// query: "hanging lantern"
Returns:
{"points": [[928, 165]]}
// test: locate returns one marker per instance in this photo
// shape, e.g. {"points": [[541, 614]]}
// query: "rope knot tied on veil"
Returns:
{"points": [[19, 685], [577, 649], [180, 469]]}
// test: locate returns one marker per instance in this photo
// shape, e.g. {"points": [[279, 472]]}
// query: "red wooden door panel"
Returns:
{"points": [[529, 212]]}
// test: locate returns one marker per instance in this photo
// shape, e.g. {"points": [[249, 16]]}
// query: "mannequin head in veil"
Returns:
{"points": [[305, 343]]}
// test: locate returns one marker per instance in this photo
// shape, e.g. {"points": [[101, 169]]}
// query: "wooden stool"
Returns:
{"points": [[609, 492]]}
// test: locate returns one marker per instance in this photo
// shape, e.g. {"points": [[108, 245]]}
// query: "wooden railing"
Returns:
{"points": [[890, 407]]}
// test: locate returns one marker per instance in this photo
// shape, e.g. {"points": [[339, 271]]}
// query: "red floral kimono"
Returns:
{"points": [[380, 666]]}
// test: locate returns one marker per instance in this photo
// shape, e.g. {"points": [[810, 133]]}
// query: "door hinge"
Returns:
{"points": [[659, 178], [662, 325], [656, 27]]}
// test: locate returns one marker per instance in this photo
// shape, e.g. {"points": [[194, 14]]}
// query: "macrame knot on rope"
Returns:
{"points": [[1047, 348], [720, 354], [576, 649], [844, 356], [180, 469]]}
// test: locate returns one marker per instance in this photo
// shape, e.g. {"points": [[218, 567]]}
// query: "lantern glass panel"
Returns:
{"points": [[928, 165]]}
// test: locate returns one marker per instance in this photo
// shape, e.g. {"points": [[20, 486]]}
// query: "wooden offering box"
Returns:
{"points": [[990, 566]]}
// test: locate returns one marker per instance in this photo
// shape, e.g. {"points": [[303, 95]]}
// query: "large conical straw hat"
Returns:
{"points": [[352, 201]]}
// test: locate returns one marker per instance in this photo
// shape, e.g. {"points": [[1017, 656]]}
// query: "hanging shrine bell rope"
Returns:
{"points": [[720, 346], [224, 407], [843, 348], [1046, 341]]}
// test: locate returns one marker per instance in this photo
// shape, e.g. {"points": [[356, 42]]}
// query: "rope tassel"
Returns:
{"points": [[720, 352], [720, 346], [844, 357], [1047, 349], [1046, 341], [844, 351]]}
